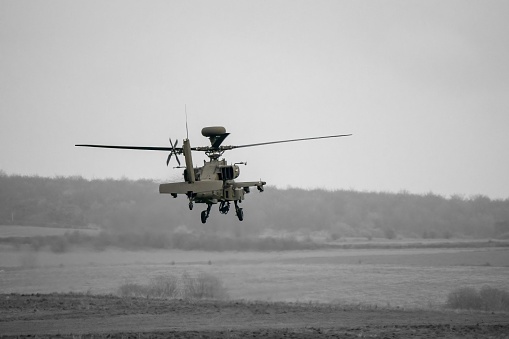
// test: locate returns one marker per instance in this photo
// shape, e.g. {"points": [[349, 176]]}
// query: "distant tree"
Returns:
{"points": [[125, 206], [390, 233], [500, 228]]}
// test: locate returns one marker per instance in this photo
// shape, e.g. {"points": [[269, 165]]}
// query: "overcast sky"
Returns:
{"points": [[422, 85]]}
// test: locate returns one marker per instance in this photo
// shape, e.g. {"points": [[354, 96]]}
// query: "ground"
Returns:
{"points": [[86, 316]]}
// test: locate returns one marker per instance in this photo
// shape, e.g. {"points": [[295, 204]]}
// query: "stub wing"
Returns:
{"points": [[258, 184], [195, 187]]}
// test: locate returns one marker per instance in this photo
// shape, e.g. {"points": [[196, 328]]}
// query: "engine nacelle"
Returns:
{"points": [[229, 172]]}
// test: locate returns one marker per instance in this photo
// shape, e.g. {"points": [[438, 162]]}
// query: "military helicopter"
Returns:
{"points": [[214, 182]]}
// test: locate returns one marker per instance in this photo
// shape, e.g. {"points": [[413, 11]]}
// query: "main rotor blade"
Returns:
{"points": [[141, 148], [290, 140]]}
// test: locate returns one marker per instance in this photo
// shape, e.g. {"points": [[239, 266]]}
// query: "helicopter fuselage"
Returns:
{"points": [[212, 183]]}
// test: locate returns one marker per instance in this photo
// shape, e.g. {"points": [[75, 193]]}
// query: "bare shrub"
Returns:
{"points": [[487, 298], [163, 287], [494, 298], [201, 286], [464, 297]]}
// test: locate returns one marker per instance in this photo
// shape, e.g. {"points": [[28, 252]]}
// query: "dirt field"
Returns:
{"points": [[82, 316]]}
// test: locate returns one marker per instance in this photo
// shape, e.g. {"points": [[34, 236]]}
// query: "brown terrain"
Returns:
{"points": [[92, 316]]}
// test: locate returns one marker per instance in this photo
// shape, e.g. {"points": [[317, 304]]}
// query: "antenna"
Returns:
{"points": [[187, 131]]}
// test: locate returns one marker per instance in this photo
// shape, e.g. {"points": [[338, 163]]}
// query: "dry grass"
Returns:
{"points": [[201, 286], [487, 298]]}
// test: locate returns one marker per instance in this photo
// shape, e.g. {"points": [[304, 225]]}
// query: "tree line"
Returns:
{"points": [[126, 206]]}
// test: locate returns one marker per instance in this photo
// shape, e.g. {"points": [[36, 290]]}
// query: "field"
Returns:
{"points": [[34, 231], [376, 287], [407, 278]]}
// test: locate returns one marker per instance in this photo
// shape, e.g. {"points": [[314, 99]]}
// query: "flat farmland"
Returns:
{"points": [[374, 293], [406, 278], [7, 231]]}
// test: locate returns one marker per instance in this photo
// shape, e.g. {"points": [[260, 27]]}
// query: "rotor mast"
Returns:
{"points": [[216, 135]]}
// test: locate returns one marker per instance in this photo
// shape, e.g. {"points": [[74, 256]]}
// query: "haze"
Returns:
{"points": [[422, 85]]}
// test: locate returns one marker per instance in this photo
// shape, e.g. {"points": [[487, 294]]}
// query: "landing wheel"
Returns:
{"points": [[205, 214], [240, 214], [191, 205], [239, 211]]}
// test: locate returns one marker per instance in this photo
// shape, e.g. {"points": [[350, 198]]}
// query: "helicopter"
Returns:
{"points": [[214, 182]]}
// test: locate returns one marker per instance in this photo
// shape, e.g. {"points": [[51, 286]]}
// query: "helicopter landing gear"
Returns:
{"points": [[239, 211], [205, 214], [224, 207]]}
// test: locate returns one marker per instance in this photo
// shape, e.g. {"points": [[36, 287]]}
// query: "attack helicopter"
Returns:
{"points": [[214, 182]]}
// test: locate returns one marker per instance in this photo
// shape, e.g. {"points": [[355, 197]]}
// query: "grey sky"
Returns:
{"points": [[422, 85]]}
